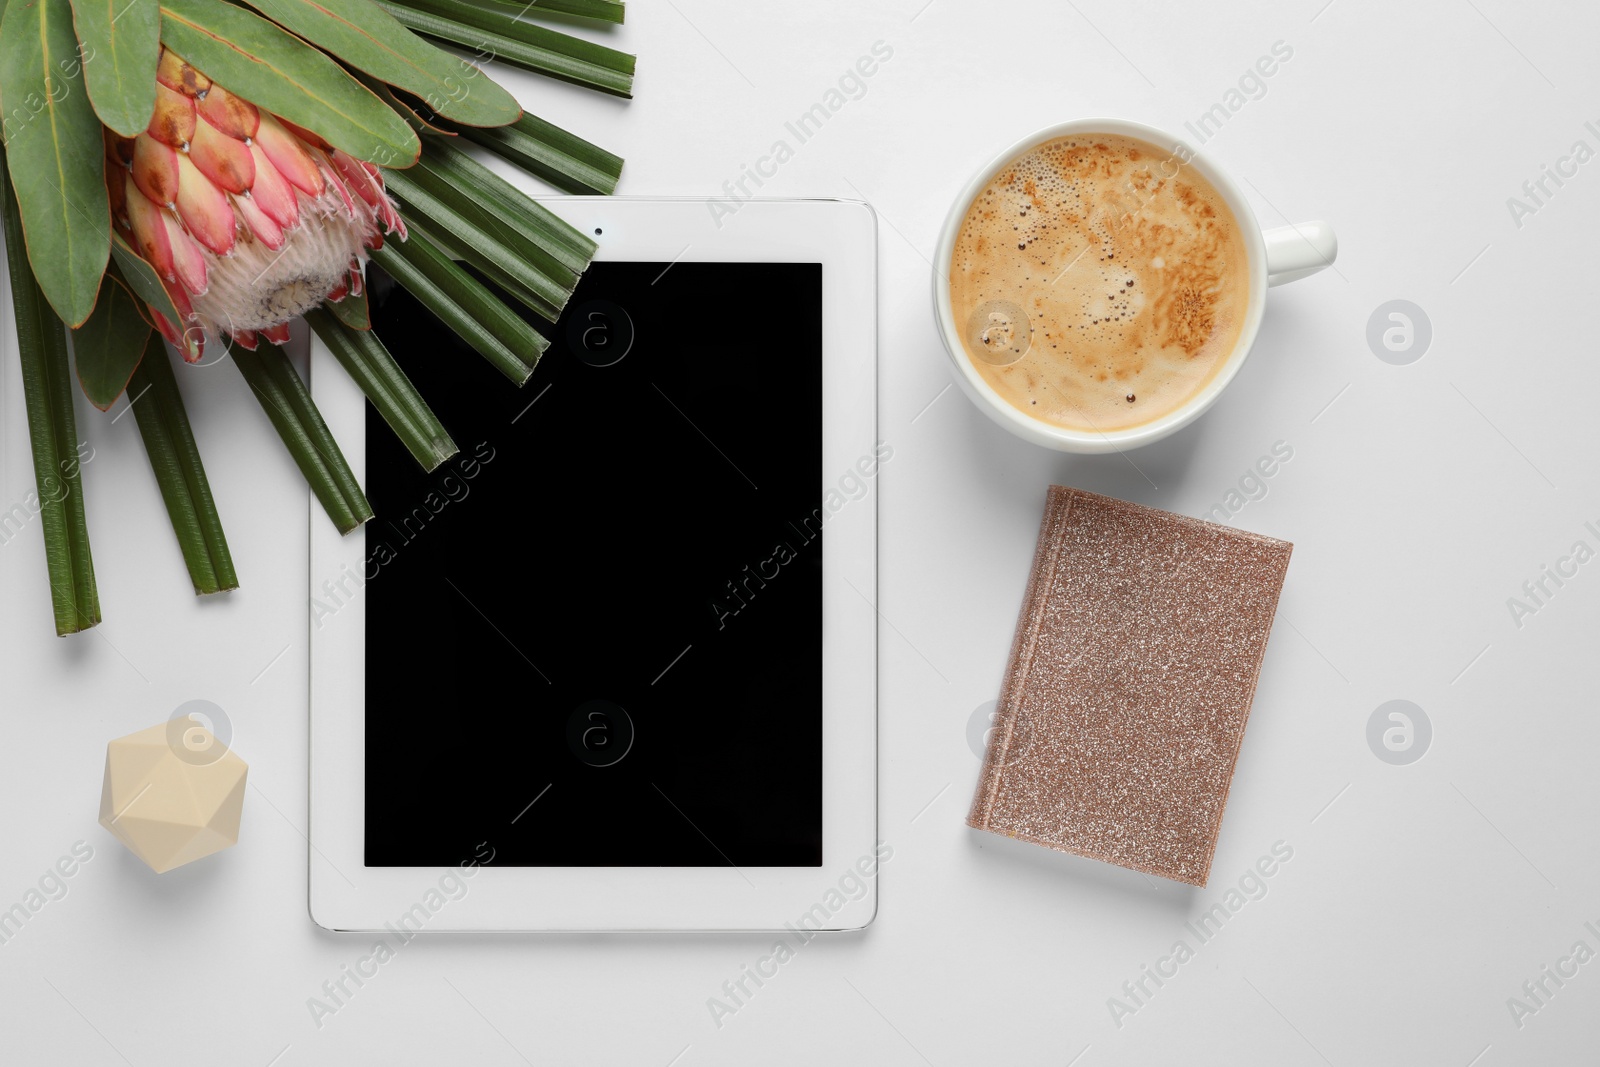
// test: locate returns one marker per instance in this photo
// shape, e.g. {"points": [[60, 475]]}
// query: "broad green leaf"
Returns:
{"points": [[53, 136], [407, 109], [368, 38], [146, 285], [109, 345], [272, 68], [120, 41]]}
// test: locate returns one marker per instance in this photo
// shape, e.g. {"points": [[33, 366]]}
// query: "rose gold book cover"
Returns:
{"points": [[1124, 704]]}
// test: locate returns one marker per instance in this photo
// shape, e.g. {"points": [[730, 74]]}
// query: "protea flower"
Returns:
{"points": [[249, 220], [205, 169]]}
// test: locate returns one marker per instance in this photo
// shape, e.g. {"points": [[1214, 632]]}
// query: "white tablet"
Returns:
{"points": [[613, 667]]}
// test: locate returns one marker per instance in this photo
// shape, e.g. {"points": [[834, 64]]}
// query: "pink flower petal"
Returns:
{"points": [[232, 115], [150, 234], [272, 192], [155, 169], [263, 226], [289, 155], [204, 208], [222, 159], [174, 118], [173, 73]]}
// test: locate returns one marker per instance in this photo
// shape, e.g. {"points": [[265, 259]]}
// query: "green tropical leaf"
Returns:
{"points": [[496, 14], [366, 360], [53, 435], [487, 262], [517, 230], [563, 159], [521, 44], [410, 109], [109, 344], [53, 134], [353, 311], [288, 404], [146, 285], [142, 278], [368, 38], [464, 304], [599, 10], [264, 63], [469, 232], [470, 180], [120, 43], [175, 460]]}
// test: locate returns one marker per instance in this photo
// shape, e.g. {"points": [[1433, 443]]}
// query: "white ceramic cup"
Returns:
{"points": [[1276, 256]]}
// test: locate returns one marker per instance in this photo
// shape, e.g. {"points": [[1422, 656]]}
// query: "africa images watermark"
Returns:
{"points": [[451, 487], [1537, 192], [850, 886], [1252, 484], [450, 887], [50, 489], [853, 485], [1538, 591], [1541, 989], [1252, 85], [50, 887], [1251, 886], [56, 90], [851, 85]]}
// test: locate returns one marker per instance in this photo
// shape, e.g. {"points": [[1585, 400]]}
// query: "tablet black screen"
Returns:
{"points": [[594, 637]]}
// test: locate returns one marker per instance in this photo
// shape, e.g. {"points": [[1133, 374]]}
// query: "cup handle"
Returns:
{"points": [[1295, 252]]}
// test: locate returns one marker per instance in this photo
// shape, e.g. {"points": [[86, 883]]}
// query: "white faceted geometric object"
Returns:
{"points": [[172, 793]]}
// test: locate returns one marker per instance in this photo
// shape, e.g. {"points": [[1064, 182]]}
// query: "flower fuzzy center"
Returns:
{"points": [[256, 288]]}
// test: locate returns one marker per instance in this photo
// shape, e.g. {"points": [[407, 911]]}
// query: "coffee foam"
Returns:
{"points": [[1098, 282]]}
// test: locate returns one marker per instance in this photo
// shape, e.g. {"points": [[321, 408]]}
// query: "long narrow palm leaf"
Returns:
{"points": [[521, 44], [287, 402], [457, 170], [563, 159], [175, 459], [476, 315], [499, 12], [275, 119], [366, 360], [470, 232], [53, 434], [614, 11]]}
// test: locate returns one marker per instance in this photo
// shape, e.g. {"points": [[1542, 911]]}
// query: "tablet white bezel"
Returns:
{"points": [[346, 895]]}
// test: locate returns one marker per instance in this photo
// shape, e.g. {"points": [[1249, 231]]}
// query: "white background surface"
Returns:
{"points": [[1420, 498]]}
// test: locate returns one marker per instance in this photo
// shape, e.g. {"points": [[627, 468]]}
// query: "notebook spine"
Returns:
{"points": [[1058, 505]]}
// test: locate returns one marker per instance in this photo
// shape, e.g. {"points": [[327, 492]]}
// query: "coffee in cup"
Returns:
{"points": [[1098, 282]]}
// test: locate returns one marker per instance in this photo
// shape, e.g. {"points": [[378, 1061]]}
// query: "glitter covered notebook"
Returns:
{"points": [[1131, 676]]}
